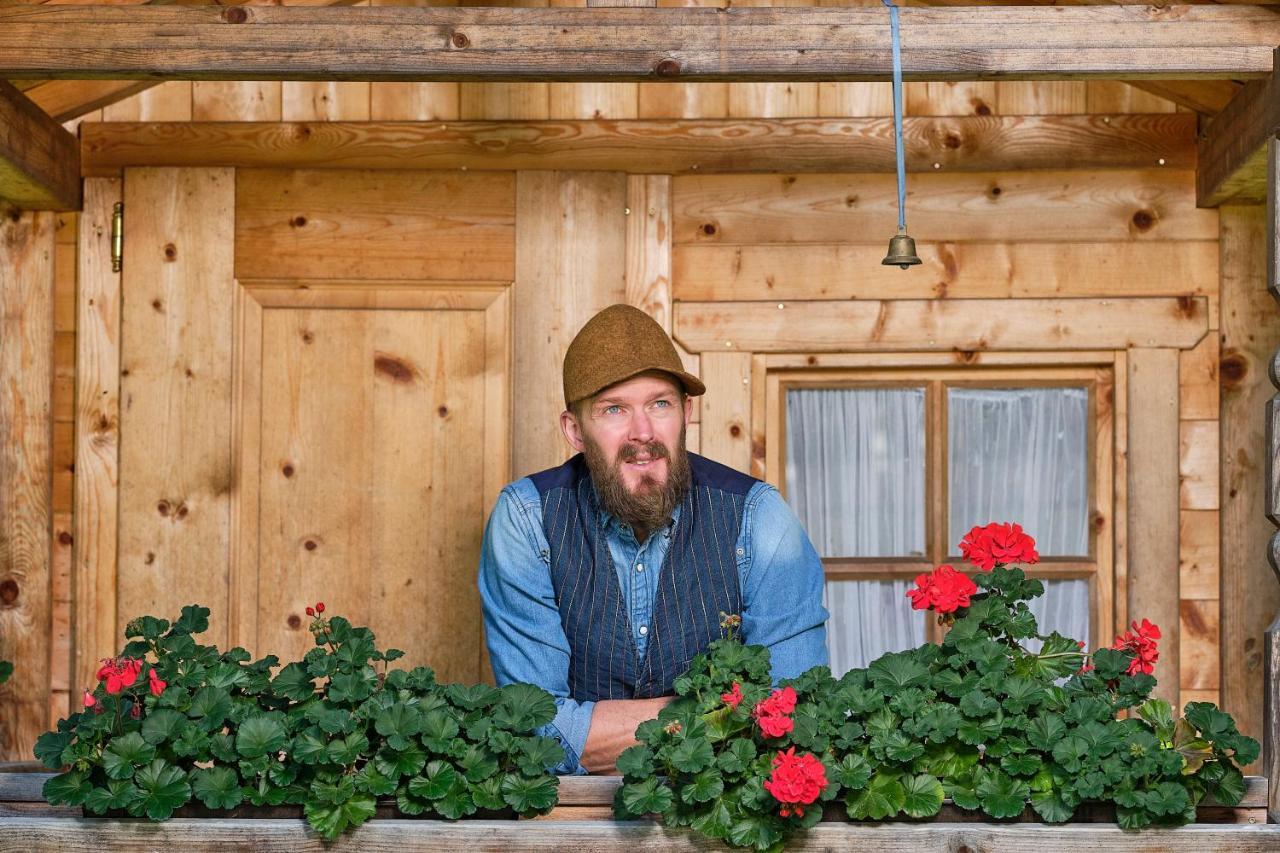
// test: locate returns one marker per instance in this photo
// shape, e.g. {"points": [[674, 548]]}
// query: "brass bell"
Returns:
{"points": [[902, 251]]}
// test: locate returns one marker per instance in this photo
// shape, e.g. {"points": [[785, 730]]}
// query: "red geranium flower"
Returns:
{"points": [[157, 684], [775, 725], [1141, 642], [89, 701], [119, 673], [944, 590], [772, 715], [998, 544], [797, 780], [734, 697]]}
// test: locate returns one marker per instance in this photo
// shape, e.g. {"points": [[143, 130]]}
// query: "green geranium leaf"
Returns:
{"points": [[119, 794], [210, 706], [527, 707], [1051, 807], [1167, 798], [439, 729], [396, 764], [636, 762], [125, 753], [398, 724], [1070, 752], [641, 798], [1230, 789], [162, 725], [975, 703], [537, 795], [473, 696], [736, 757], [345, 750], [478, 763], [897, 671], [192, 743], [194, 620], [50, 746], [310, 746], [329, 820], [899, 747], [539, 754], [715, 822], [259, 735], [370, 781], [1045, 731], [707, 785], [883, 798], [487, 794], [352, 686], [924, 795], [1002, 796], [455, 804], [754, 831], [294, 682], [67, 789], [216, 787], [436, 781], [692, 755], [1020, 764], [163, 788]]}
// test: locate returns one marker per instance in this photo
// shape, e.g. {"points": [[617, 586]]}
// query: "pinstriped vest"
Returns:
{"points": [[698, 580]]}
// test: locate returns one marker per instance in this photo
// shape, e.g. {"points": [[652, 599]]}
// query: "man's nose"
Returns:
{"points": [[641, 426]]}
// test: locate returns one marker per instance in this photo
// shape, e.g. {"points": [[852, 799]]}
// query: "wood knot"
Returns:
{"points": [[1233, 367], [307, 337], [302, 131], [1144, 219], [158, 305], [150, 558], [298, 221], [980, 108], [443, 411], [952, 141], [235, 15], [182, 512], [170, 252], [310, 545], [393, 368], [295, 621], [163, 507], [813, 359], [708, 228], [460, 40], [8, 592], [1186, 305], [995, 192], [64, 537], [667, 68], [735, 430], [287, 470], [966, 356]]}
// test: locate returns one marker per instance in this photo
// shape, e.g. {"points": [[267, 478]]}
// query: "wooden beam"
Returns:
{"points": [[694, 146], [39, 161], [929, 325], [65, 100], [1208, 97], [619, 44], [1232, 154]]}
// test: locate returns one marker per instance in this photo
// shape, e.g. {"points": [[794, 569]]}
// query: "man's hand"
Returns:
{"points": [[613, 729]]}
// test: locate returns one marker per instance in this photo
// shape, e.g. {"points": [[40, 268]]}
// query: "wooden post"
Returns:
{"points": [[1271, 683]]}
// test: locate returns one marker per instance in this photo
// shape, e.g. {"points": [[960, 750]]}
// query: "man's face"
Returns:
{"points": [[632, 435]]}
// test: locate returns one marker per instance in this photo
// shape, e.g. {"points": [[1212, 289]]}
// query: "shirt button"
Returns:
{"points": [[639, 567], [741, 552], [644, 629]]}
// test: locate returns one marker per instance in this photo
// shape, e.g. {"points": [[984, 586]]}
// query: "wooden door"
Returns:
{"points": [[314, 381]]}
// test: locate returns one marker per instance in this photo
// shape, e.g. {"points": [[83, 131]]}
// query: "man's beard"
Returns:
{"points": [[651, 505]]}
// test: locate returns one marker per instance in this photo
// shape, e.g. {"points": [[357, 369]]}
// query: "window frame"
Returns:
{"points": [[1098, 373]]}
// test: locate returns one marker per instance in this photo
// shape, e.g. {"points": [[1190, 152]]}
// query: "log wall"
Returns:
{"points": [[704, 243]]}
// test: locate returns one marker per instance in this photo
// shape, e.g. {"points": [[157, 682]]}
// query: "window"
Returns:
{"points": [[888, 469]]}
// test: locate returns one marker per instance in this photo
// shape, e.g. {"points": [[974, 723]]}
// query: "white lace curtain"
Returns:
{"points": [[855, 475]]}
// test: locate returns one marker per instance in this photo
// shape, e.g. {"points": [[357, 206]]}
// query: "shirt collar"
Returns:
{"points": [[609, 522]]}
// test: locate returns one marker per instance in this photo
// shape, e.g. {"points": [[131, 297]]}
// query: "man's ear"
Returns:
{"points": [[572, 430], [688, 409]]}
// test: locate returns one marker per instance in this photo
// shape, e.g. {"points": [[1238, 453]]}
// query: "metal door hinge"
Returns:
{"points": [[117, 236]]}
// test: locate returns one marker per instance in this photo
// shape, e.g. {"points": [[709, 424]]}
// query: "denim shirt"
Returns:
{"points": [[780, 573]]}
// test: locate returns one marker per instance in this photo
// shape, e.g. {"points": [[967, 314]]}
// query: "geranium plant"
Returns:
{"points": [[981, 719], [172, 721]]}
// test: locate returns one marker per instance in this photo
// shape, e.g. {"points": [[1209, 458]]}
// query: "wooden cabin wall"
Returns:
{"points": [[646, 241]]}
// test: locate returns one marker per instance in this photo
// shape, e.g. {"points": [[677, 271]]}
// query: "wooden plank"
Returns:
{"points": [[1271, 717], [65, 100], [1198, 377], [97, 414], [1232, 151], [683, 100], [391, 225], [648, 274], [802, 271], [26, 434], [1112, 96], [726, 409], [1153, 505], [166, 102], [324, 101], [175, 389], [605, 45], [1198, 544], [669, 146], [592, 101], [1198, 644], [413, 101], [1044, 97], [854, 99], [1198, 464], [396, 836], [1138, 205], [918, 324], [39, 161], [1209, 97], [235, 101], [506, 101], [60, 620], [568, 267], [950, 97], [1250, 333]]}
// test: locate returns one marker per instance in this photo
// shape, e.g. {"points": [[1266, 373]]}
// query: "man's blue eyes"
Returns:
{"points": [[613, 410]]}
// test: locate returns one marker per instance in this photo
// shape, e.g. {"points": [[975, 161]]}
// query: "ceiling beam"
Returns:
{"points": [[1233, 152], [619, 44], [39, 161], [678, 146]]}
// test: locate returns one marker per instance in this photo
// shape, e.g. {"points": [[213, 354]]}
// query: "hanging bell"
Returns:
{"points": [[902, 251]]}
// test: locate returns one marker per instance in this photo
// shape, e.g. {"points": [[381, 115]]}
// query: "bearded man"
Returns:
{"points": [[602, 578]]}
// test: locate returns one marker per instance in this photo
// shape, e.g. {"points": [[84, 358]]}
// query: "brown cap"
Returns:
{"points": [[616, 344]]}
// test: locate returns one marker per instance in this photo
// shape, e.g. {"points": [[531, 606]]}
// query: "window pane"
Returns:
{"points": [[855, 469], [869, 618], [1021, 455], [1064, 608]]}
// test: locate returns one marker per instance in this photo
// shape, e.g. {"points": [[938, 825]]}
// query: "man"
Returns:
{"points": [[602, 578]]}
